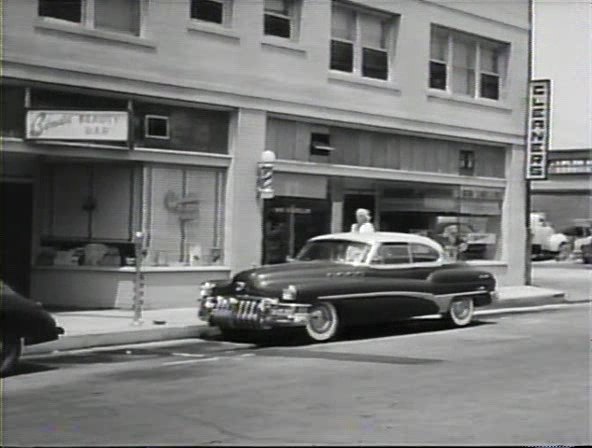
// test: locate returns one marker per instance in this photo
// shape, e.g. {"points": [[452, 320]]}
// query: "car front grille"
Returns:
{"points": [[243, 312]]}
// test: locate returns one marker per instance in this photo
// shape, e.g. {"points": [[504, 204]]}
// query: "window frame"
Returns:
{"points": [[82, 22], [293, 17], [87, 19], [357, 45], [159, 137], [390, 265], [423, 263], [227, 7], [502, 48]]}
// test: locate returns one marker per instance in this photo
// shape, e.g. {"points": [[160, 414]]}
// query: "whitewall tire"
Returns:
{"points": [[461, 311], [323, 322]]}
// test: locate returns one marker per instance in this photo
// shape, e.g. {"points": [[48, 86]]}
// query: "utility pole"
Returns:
{"points": [[138, 279], [528, 205]]}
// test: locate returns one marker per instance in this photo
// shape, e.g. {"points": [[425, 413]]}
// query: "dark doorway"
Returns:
{"points": [[289, 222], [15, 234], [352, 202]]}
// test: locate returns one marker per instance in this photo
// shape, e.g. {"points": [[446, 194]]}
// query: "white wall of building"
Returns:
{"points": [[563, 53]]}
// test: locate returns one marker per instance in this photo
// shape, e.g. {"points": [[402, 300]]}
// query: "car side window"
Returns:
{"points": [[392, 253], [421, 253]]}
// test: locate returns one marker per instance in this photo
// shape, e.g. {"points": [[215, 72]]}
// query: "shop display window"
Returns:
{"points": [[184, 216], [88, 214], [466, 221]]}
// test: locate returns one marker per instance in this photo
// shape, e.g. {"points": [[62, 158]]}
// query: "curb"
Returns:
{"points": [[532, 301], [85, 341]]}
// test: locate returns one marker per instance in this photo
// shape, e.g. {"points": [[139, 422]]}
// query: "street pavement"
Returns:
{"points": [[575, 278], [517, 379]]}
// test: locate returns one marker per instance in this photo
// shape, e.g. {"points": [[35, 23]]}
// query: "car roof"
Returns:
{"points": [[379, 237]]}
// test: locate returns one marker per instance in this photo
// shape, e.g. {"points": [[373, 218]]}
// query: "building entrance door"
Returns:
{"points": [[289, 222], [15, 234], [352, 202]]}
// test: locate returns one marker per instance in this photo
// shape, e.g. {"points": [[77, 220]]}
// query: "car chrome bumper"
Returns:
{"points": [[255, 313], [495, 298]]}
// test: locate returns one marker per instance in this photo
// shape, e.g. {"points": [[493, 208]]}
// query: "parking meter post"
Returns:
{"points": [[138, 279]]}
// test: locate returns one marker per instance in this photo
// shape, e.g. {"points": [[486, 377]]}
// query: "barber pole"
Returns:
{"points": [[265, 181]]}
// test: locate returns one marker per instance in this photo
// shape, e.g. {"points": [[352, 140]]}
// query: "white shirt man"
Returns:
{"points": [[363, 224]]}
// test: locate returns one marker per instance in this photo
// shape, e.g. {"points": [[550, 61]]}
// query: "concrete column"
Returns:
{"points": [[513, 218], [336, 195], [243, 215]]}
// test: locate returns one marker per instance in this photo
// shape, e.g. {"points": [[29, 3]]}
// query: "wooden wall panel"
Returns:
{"points": [[291, 141]]}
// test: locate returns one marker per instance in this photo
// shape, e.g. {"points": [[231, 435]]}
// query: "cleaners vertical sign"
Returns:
{"points": [[537, 140]]}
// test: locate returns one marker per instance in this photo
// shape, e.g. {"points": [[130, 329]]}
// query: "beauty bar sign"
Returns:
{"points": [[77, 125], [537, 143]]}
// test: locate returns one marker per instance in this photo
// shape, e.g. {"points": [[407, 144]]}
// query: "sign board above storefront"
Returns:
{"points": [[77, 125], [572, 166], [537, 138]]}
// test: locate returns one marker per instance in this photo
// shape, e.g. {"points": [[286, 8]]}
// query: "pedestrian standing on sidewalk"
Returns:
{"points": [[363, 224]]}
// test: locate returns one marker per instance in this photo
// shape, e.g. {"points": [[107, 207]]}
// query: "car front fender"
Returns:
{"points": [[555, 241]]}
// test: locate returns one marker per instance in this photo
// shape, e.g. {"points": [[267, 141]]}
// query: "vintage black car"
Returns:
{"points": [[23, 321], [349, 279]]}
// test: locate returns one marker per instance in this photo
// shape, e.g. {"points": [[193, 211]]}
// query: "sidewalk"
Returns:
{"points": [[86, 329]]}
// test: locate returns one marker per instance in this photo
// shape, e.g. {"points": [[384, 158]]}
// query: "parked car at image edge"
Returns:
{"points": [[348, 279], [23, 321], [586, 249], [579, 235]]}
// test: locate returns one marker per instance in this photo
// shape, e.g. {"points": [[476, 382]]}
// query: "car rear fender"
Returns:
{"points": [[461, 280]]}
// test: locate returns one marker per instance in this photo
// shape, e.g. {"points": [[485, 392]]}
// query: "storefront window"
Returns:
{"points": [[289, 223], [88, 213], [184, 216], [466, 221]]}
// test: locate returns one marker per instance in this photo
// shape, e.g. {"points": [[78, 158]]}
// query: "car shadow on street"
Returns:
{"points": [[28, 368], [294, 337]]}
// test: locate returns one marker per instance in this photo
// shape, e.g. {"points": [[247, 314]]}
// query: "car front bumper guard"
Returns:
{"points": [[253, 313]]}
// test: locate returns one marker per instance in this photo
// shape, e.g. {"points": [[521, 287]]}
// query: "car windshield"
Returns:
{"points": [[342, 251]]}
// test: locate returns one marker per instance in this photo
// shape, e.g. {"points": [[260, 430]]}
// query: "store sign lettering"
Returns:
{"points": [[569, 166], [537, 143], [77, 125]]}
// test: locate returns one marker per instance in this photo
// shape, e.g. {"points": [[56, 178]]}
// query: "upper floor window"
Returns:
{"points": [[467, 65], [361, 42], [70, 10], [281, 18], [120, 16], [213, 11]]}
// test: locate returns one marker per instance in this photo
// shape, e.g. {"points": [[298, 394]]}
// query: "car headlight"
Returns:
{"points": [[289, 293], [206, 289], [210, 303]]}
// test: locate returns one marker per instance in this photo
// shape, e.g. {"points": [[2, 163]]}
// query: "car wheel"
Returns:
{"points": [[323, 322], [10, 346], [461, 312]]}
